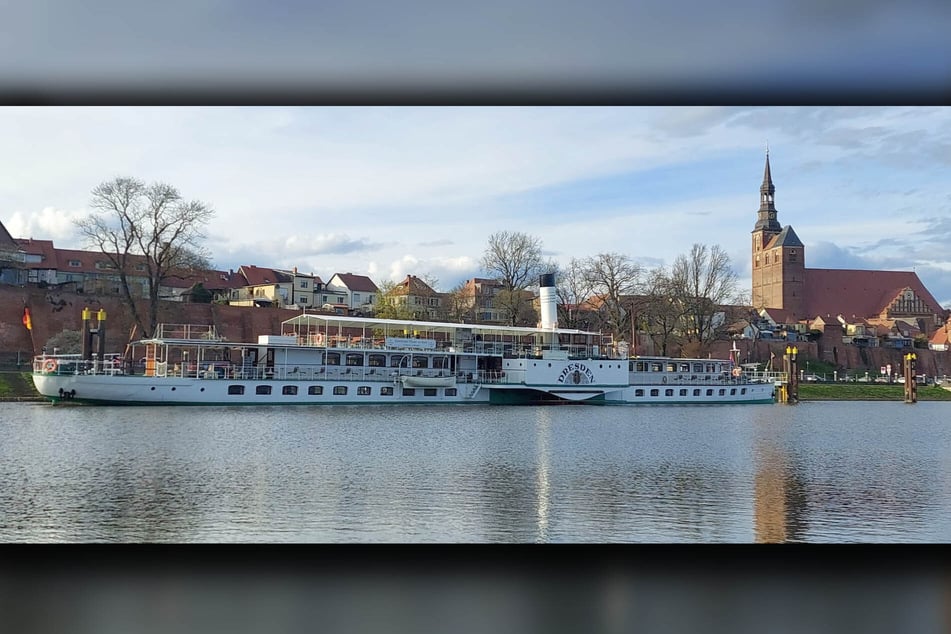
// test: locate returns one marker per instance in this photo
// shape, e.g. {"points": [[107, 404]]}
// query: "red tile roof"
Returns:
{"points": [[863, 294], [942, 336], [257, 276], [413, 286], [359, 283]]}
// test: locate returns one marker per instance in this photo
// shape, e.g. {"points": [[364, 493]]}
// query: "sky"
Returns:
{"points": [[391, 191]]}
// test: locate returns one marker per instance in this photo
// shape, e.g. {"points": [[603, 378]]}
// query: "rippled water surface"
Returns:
{"points": [[816, 472]]}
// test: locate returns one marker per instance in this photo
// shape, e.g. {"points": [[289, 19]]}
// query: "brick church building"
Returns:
{"points": [[786, 288]]}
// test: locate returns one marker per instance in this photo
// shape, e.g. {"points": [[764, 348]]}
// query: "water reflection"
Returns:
{"points": [[542, 484], [814, 472], [780, 511]]}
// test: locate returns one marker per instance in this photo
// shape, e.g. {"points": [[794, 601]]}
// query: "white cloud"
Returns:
{"points": [[396, 191]]}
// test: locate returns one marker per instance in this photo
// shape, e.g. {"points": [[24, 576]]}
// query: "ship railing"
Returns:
{"points": [[205, 332], [66, 364]]}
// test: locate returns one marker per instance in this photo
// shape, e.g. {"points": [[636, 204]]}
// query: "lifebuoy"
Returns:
{"points": [[737, 372], [319, 339], [50, 365]]}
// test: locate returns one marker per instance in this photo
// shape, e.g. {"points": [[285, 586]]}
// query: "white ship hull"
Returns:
{"points": [[453, 363]]}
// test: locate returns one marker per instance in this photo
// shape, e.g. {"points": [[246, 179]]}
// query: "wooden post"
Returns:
{"points": [[911, 384], [792, 353]]}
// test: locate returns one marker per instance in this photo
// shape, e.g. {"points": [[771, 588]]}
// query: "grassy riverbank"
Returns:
{"points": [[867, 392], [17, 386]]}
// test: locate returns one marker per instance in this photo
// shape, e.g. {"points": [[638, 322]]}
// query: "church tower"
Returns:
{"points": [[778, 256]]}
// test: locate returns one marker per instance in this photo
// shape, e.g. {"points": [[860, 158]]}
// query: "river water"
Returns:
{"points": [[815, 472]]}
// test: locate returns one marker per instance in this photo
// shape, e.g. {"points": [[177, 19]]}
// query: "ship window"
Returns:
{"points": [[642, 366], [333, 358], [722, 391], [363, 390], [743, 391], [709, 392], [655, 392], [657, 367], [696, 392], [386, 391], [683, 392], [235, 389], [396, 360], [289, 390], [698, 367], [408, 391], [732, 391], [429, 391], [638, 392], [450, 391], [262, 389], [315, 390], [354, 359], [684, 367], [668, 392], [440, 363], [377, 361], [420, 362], [671, 367], [340, 390]]}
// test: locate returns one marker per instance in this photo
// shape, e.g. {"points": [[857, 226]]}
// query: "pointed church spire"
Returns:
{"points": [[766, 216]]}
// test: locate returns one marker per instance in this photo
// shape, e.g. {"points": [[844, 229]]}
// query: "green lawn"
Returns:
{"points": [[867, 392]]}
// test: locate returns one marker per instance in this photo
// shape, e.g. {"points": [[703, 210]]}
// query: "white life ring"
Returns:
{"points": [[50, 365]]}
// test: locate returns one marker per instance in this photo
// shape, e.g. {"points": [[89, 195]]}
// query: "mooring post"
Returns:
{"points": [[911, 384]]}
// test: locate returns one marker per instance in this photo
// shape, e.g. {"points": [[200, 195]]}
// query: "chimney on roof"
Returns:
{"points": [[295, 270]]}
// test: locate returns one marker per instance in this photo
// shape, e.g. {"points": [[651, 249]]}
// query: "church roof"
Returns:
{"points": [[767, 178], [786, 238], [850, 292]]}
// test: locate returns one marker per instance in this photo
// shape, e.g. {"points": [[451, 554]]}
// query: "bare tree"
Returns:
{"points": [[614, 278], [702, 281], [456, 305], [149, 226], [574, 288], [658, 313], [515, 260]]}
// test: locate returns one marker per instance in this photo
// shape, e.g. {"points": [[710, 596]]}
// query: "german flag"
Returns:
{"points": [[27, 321]]}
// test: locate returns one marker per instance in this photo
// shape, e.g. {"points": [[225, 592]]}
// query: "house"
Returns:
{"points": [[858, 332], [941, 339], [357, 292], [417, 298], [263, 287], [477, 298], [89, 272], [306, 289], [180, 286]]}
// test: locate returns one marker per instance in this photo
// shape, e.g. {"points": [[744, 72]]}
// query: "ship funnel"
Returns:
{"points": [[548, 300]]}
